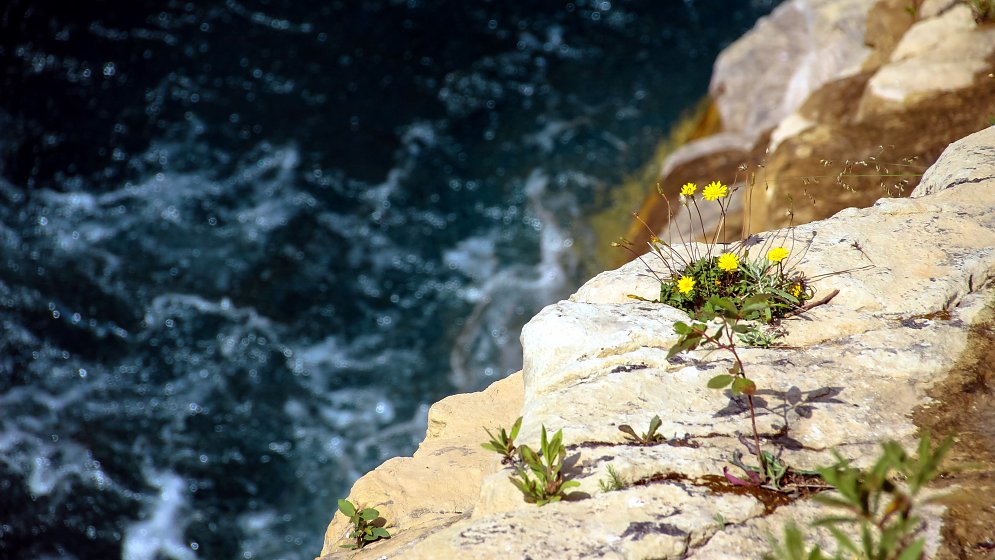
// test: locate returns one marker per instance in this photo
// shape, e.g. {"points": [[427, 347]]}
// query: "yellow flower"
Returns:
{"points": [[689, 189], [796, 290], [777, 254], [715, 190], [685, 284], [728, 262]]}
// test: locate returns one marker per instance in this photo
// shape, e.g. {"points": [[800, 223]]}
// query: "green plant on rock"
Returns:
{"points": [[367, 525], [732, 276], [694, 276], [729, 318], [540, 476], [648, 437], [614, 481], [504, 443], [759, 337], [984, 10], [874, 504]]}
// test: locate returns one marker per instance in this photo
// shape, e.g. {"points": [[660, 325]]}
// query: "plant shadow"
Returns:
{"points": [[793, 401], [572, 469]]}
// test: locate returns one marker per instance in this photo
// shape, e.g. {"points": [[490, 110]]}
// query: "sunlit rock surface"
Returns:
{"points": [[913, 274]]}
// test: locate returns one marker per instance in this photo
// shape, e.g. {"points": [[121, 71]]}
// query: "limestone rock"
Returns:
{"points": [[914, 274], [861, 131], [440, 484], [767, 74], [933, 8], [939, 54], [968, 160]]}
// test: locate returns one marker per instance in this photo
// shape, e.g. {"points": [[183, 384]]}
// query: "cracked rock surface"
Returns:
{"points": [[913, 275]]}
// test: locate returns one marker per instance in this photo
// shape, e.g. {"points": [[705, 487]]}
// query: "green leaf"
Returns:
{"points": [[655, 424], [514, 429], [843, 540], [529, 457], [834, 520], [755, 304], [744, 386], [867, 539], [557, 443], [720, 381], [369, 514], [914, 551], [834, 501], [380, 533], [725, 305], [681, 328], [346, 507], [523, 486], [784, 295], [793, 541], [627, 429]]}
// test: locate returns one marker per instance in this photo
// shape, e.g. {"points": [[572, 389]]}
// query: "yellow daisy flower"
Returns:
{"points": [[685, 285], [777, 254], [689, 189], [715, 190], [728, 262]]}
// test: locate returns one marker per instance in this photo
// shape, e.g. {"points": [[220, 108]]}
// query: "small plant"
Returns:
{"points": [[730, 319], [733, 276], [759, 337], [694, 276], [720, 520], [871, 500], [550, 482], [367, 525], [984, 10], [504, 443], [649, 437], [772, 475], [614, 481]]}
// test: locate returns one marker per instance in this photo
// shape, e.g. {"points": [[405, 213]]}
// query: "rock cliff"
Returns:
{"points": [[914, 276], [896, 353], [831, 104]]}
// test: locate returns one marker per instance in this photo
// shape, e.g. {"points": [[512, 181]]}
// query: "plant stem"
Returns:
{"points": [[731, 347]]}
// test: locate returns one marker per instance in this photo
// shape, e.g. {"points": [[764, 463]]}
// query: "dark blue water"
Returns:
{"points": [[245, 244]]}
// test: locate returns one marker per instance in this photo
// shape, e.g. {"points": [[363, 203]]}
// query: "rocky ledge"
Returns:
{"points": [[835, 103], [913, 276]]}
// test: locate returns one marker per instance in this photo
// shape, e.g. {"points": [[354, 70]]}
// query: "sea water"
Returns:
{"points": [[245, 244]]}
